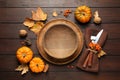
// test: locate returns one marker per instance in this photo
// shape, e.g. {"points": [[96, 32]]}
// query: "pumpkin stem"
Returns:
{"points": [[37, 65], [24, 55], [83, 13]]}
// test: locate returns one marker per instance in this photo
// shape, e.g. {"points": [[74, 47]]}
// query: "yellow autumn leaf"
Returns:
{"points": [[39, 15], [101, 53], [37, 27], [28, 22]]}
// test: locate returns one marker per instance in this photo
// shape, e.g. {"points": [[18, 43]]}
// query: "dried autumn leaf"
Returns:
{"points": [[19, 68], [24, 68], [46, 68], [37, 27], [55, 14], [28, 22], [101, 53], [39, 15]]}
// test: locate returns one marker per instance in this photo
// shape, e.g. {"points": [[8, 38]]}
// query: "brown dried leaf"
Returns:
{"points": [[24, 68], [37, 27], [39, 15], [28, 22]]}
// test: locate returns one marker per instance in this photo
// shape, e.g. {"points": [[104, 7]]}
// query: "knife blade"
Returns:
{"points": [[96, 38]]}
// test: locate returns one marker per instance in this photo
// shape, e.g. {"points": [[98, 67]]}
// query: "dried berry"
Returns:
{"points": [[70, 66], [28, 42], [67, 12], [23, 43]]}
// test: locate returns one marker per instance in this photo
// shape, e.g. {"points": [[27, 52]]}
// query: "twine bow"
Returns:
{"points": [[96, 48]]}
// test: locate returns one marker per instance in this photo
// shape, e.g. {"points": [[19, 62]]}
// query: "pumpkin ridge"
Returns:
{"points": [[24, 54], [36, 65]]}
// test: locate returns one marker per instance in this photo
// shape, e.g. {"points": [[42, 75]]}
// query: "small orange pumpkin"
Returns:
{"points": [[83, 14], [24, 54], [36, 65]]}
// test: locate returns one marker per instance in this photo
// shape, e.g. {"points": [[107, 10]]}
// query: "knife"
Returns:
{"points": [[95, 39]]}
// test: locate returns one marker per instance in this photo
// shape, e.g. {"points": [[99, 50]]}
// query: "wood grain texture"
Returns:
{"points": [[68, 76], [19, 14], [11, 30], [59, 3], [9, 46], [12, 15], [105, 64]]}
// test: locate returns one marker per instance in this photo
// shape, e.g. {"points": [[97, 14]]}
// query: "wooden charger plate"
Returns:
{"points": [[60, 41]]}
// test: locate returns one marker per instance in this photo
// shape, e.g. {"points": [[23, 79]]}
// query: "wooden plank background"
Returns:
{"points": [[12, 15]]}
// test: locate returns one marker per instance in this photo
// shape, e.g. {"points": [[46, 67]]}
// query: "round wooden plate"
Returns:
{"points": [[60, 41]]}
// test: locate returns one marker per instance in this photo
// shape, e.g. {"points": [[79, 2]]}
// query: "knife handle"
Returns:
{"points": [[86, 61], [90, 59]]}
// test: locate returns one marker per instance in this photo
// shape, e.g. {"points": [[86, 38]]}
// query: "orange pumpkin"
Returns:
{"points": [[24, 54], [36, 65], [83, 14]]}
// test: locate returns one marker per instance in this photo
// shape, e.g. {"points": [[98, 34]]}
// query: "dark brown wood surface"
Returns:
{"points": [[12, 15]]}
